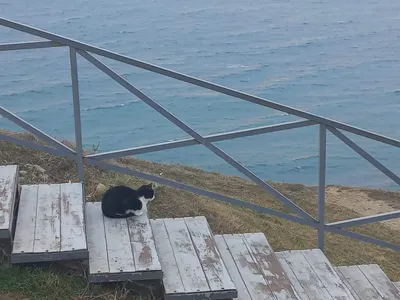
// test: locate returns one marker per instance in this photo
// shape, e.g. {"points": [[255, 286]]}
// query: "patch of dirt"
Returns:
{"points": [[392, 198], [9, 296], [366, 202]]}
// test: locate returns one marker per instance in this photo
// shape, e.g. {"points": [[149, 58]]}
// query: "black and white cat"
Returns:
{"points": [[123, 202]]}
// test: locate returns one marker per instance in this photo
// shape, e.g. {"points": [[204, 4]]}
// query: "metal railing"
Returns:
{"points": [[306, 119]]}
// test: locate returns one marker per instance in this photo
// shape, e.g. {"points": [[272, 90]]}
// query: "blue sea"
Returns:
{"points": [[339, 59]]}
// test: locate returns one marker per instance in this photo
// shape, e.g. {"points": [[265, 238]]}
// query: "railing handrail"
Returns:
{"points": [[325, 124], [195, 81]]}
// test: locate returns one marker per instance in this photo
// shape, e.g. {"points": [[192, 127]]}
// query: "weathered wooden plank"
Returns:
{"points": [[380, 281], [96, 238], [47, 232], [207, 251], [293, 279], [142, 244], [120, 258], [8, 188], [347, 284], [26, 222], [73, 236], [325, 272], [306, 275], [172, 280], [397, 285], [359, 283], [252, 276], [125, 277], [189, 266], [243, 293], [270, 267]]}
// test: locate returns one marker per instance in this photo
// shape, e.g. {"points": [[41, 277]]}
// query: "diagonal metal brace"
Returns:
{"points": [[32, 129], [32, 145], [195, 135], [368, 157]]}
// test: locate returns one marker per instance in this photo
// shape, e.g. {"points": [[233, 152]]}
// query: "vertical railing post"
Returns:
{"points": [[321, 186], [77, 114]]}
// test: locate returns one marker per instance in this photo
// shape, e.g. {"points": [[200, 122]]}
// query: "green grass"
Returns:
{"points": [[56, 281], [37, 283]]}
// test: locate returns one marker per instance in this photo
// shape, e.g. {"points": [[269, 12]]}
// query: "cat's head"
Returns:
{"points": [[147, 191]]}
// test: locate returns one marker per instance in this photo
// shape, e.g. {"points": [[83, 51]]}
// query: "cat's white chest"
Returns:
{"points": [[141, 211]]}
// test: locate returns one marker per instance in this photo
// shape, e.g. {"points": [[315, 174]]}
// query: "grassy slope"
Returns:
{"points": [[67, 283]]}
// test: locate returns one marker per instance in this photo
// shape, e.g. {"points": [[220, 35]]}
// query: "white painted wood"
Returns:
{"points": [[47, 232], [397, 285], [306, 275], [293, 279], [347, 284], [325, 272], [26, 222], [120, 258], [252, 277], [73, 236], [359, 283], [380, 281], [234, 273], [216, 274], [8, 185], [189, 266], [267, 262], [96, 238], [142, 244], [172, 280]]}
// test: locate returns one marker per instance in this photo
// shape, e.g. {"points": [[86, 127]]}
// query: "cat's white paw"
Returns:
{"points": [[138, 212]]}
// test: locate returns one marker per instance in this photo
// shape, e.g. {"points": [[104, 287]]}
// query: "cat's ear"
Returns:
{"points": [[150, 185]]}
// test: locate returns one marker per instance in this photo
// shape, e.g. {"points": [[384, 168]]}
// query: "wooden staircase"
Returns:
{"points": [[397, 285], [254, 267], [190, 260], [54, 222], [368, 282]]}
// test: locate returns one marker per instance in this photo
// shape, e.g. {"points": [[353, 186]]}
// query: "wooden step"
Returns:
{"points": [[368, 282], [313, 276], [8, 203], [397, 285], [50, 224], [190, 260], [254, 268], [120, 249]]}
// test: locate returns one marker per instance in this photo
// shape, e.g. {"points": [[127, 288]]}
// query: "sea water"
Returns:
{"points": [[337, 59]]}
